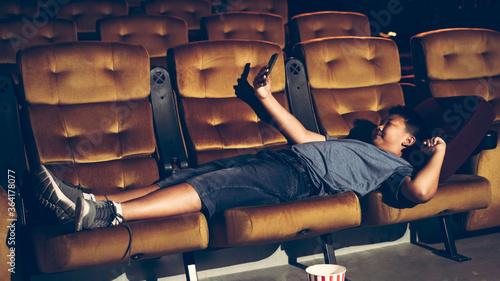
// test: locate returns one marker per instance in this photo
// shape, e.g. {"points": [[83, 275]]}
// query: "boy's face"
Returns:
{"points": [[391, 135]]}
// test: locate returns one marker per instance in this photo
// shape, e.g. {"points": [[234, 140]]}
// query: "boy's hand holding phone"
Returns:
{"points": [[261, 81]]}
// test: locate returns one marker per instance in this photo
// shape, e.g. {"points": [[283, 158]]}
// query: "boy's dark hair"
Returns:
{"points": [[415, 125]]}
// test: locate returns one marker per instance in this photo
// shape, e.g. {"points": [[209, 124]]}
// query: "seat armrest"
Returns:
{"points": [[168, 133], [299, 97]]}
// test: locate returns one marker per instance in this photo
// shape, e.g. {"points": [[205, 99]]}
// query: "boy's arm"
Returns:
{"points": [[424, 185], [285, 120]]}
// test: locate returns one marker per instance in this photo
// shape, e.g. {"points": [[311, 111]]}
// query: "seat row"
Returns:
{"points": [[86, 12], [157, 33], [97, 115]]}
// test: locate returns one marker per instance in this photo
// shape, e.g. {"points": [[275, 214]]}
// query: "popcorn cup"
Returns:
{"points": [[325, 272]]}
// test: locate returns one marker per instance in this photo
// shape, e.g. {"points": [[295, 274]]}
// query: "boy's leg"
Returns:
{"points": [[62, 197], [171, 201], [175, 200], [129, 194], [261, 180]]}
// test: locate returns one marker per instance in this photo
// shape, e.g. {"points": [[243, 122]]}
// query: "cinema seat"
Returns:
{"points": [[244, 25], [85, 14], [91, 123], [221, 117], [155, 33], [277, 7], [10, 9], [323, 24], [189, 10], [353, 81], [18, 34], [462, 62]]}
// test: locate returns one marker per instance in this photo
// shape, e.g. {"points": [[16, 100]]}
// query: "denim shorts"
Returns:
{"points": [[268, 177]]}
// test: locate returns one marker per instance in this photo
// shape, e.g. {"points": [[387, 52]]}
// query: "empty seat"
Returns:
{"points": [[14, 37], [354, 81], [244, 25], [308, 26], [221, 117], [277, 7], [85, 14], [462, 62], [189, 10], [156, 33], [91, 124]]}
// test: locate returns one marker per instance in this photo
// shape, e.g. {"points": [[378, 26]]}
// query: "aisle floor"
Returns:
{"points": [[405, 262]]}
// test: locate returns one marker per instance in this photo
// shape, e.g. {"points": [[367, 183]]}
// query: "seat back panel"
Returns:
{"points": [[89, 112], [219, 110], [245, 25], [328, 24], [351, 79], [155, 33]]}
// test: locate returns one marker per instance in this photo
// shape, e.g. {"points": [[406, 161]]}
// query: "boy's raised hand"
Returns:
{"points": [[262, 85], [434, 145]]}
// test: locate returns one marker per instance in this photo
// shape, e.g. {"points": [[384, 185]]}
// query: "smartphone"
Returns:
{"points": [[270, 65]]}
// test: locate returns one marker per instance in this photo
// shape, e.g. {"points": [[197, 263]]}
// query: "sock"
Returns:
{"points": [[119, 212]]}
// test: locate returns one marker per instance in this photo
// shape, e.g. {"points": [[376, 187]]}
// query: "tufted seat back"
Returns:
{"points": [[323, 24], [91, 122], [220, 112], [464, 62], [245, 25], [459, 62], [14, 37], [86, 12], [350, 79], [155, 33], [277, 7], [189, 10]]}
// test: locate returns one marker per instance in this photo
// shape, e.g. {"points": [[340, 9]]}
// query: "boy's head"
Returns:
{"points": [[401, 129]]}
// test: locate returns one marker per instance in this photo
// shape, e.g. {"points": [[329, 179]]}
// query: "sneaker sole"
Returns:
{"points": [[52, 197], [81, 210]]}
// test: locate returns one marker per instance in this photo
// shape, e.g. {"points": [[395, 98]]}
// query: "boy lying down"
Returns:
{"points": [[316, 165]]}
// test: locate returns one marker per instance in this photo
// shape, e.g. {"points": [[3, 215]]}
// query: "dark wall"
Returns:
{"points": [[410, 17]]}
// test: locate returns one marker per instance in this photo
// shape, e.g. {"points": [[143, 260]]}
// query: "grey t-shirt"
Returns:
{"points": [[339, 165]]}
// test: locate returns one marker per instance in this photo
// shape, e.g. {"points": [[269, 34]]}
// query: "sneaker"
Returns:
{"points": [[56, 195], [90, 214]]}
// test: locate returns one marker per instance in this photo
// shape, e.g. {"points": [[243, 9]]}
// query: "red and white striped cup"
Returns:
{"points": [[325, 272]]}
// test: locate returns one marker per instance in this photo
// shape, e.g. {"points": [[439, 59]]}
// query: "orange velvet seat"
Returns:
{"points": [[323, 24], [277, 7], [156, 33], [87, 104], [355, 79], [85, 14], [221, 117], [14, 38], [244, 25], [351, 78], [462, 62], [189, 10]]}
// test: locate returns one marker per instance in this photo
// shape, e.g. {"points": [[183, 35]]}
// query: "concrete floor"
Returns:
{"points": [[405, 262]]}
